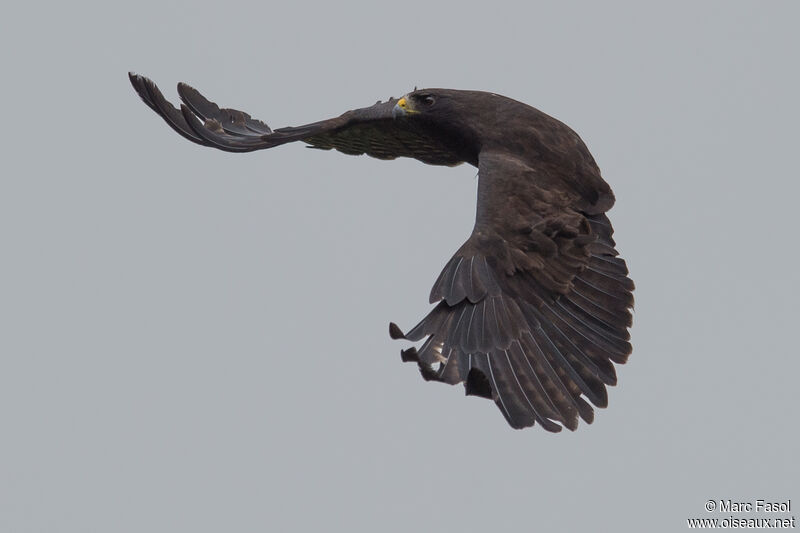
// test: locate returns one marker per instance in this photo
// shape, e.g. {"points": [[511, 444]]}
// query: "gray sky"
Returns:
{"points": [[197, 341]]}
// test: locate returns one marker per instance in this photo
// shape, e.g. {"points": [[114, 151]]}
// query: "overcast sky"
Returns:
{"points": [[198, 341]]}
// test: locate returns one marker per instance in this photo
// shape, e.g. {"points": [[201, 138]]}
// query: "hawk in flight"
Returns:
{"points": [[533, 310]]}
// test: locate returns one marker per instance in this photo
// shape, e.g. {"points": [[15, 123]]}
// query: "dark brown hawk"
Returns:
{"points": [[534, 308]]}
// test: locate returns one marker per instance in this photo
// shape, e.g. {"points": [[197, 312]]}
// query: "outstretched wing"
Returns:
{"points": [[534, 308], [371, 130]]}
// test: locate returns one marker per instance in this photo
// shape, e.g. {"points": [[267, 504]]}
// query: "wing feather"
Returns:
{"points": [[232, 121]]}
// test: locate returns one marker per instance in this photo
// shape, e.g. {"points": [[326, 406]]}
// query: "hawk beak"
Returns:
{"points": [[401, 108]]}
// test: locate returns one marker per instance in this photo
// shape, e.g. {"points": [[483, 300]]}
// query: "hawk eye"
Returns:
{"points": [[426, 99]]}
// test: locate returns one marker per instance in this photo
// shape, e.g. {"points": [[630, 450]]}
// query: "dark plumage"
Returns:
{"points": [[534, 308]]}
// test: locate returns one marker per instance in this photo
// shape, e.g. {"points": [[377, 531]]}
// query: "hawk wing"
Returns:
{"points": [[371, 130], [535, 307]]}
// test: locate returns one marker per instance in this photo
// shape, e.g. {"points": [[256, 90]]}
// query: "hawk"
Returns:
{"points": [[534, 309]]}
